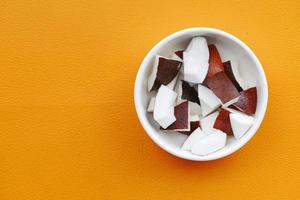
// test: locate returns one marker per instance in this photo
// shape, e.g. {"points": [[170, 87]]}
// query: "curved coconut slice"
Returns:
{"points": [[221, 85], [223, 122], [215, 62], [238, 76], [240, 124], [189, 142], [195, 59], [247, 101], [194, 124], [164, 106], [233, 74], [208, 100], [182, 114], [209, 143], [207, 123], [151, 104], [164, 71]]}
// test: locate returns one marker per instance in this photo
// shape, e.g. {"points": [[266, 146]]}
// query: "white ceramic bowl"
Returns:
{"points": [[229, 47]]}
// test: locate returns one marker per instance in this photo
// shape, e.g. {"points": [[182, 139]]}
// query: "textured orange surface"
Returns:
{"points": [[68, 127]]}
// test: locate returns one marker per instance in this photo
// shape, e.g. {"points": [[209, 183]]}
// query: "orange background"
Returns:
{"points": [[68, 127]]}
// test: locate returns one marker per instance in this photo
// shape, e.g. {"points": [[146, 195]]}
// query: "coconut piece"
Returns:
{"points": [[189, 93], [240, 124], [164, 71], [207, 123], [195, 59], [215, 62], [238, 76], [223, 88], [223, 122], [209, 143], [247, 101], [151, 104], [182, 114], [189, 142], [194, 124], [208, 100], [164, 106], [185, 92], [233, 74]]}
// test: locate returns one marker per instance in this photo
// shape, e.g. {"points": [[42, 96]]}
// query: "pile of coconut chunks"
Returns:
{"points": [[199, 95]]}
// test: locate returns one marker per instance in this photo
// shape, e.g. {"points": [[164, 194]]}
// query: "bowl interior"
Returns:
{"points": [[229, 48]]}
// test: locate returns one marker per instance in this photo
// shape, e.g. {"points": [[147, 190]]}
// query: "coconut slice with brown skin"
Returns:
{"points": [[208, 100], [223, 122], [186, 92], [164, 71], [189, 93], [194, 124], [247, 101], [233, 75], [222, 87], [182, 114], [215, 62]]}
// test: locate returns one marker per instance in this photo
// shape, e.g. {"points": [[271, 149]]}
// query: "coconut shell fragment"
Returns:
{"points": [[215, 62], [182, 115], [223, 122], [228, 70], [222, 86], [189, 93], [247, 101], [167, 70]]}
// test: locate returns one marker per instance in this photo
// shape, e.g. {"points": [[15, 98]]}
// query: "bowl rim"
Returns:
{"points": [[153, 134]]}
